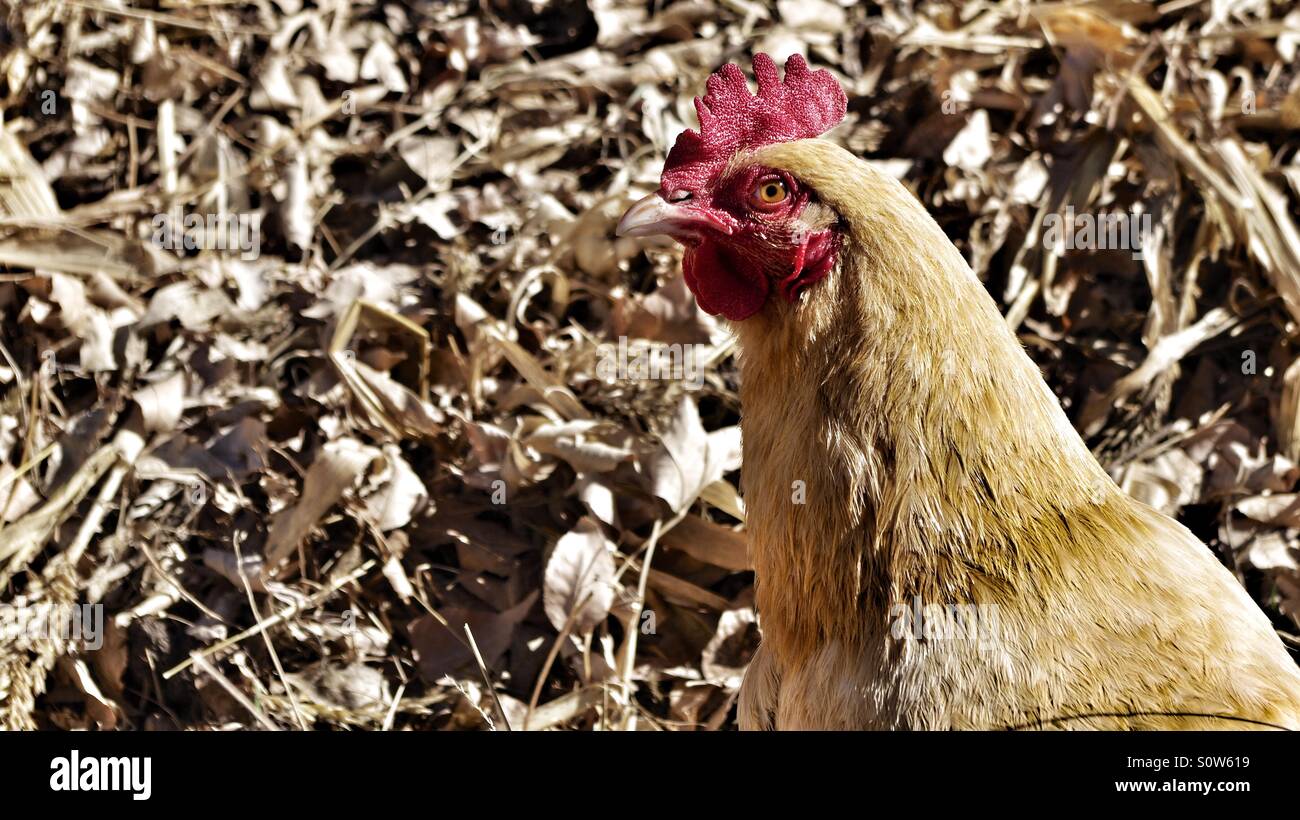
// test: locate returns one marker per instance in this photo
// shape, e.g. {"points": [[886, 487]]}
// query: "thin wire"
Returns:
{"points": [[1040, 723]]}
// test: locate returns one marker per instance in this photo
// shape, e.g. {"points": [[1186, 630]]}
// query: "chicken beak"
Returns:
{"points": [[652, 216]]}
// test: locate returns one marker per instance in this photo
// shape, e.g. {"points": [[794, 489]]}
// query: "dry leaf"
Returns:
{"points": [[580, 579], [692, 459], [336, 469]]}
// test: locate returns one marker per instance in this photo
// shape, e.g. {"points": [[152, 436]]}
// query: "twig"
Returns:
{"points": [[550, 658], [270, 647], [634, 622], [487, 679], [280, 617], [206, 666]]}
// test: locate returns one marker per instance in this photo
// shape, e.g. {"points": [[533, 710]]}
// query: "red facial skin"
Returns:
{"points": [[768, 247], [738, 247]]}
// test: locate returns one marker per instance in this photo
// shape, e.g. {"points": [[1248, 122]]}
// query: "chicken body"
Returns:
{"points": [[934, 545], [903, 455]]}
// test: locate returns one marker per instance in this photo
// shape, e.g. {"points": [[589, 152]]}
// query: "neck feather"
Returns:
{"points": [[898, 442]]}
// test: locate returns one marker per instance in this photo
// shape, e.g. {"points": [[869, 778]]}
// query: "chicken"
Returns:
{"points": [[908, 471]]}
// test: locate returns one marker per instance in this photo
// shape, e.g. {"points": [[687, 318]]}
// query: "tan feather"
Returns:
{"points": [[902, 451]]}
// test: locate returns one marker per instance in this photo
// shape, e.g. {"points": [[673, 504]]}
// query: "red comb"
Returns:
{"points": [[806, 104]]}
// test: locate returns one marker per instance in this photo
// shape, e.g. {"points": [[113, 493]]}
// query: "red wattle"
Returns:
{"points": [[719, 287]]}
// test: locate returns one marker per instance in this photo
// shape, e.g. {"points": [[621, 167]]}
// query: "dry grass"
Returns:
{"points": [[370, 473]]}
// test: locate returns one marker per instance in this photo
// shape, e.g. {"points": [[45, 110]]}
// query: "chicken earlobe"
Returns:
{"points": [[816, 250]]}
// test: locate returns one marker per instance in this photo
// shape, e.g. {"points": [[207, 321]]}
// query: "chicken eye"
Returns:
{"points": [[770, 192]]}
